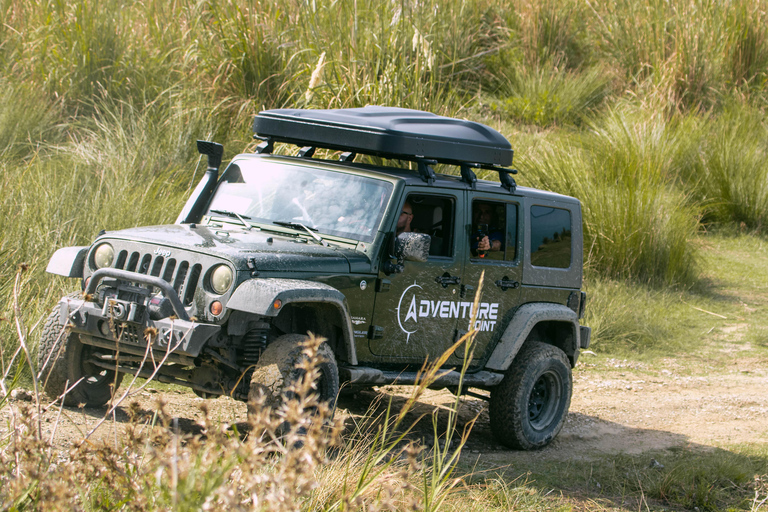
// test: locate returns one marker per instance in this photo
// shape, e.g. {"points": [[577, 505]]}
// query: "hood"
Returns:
{"points": [[268, 251]]}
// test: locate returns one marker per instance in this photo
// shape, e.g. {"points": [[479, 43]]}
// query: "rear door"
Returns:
{"points": [[497, 217]]}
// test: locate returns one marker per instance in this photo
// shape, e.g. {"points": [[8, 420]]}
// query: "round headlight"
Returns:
{"points": [[221, 279], [103, 256]]}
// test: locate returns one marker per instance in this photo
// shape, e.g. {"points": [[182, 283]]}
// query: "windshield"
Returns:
{"points": [[333, 203]]}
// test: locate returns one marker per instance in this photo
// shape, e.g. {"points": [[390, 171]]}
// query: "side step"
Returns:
{"points": [[445, 378]]}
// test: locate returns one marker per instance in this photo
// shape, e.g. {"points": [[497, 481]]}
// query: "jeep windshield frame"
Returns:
{"points": [[331, 202]]}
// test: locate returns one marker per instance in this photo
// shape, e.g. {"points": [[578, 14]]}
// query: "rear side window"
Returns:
{"points": [[550, 237], [497, 221]]}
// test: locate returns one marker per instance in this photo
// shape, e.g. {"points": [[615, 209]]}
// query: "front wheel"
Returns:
{"points": [[528, 408], [63, 360], [278, 369]]}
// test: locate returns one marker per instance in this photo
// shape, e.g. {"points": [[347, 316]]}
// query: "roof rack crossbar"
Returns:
{"points": [[347, 157], [425, 171], [468, 175], [266, 147], [507, 181], [307, 152]]}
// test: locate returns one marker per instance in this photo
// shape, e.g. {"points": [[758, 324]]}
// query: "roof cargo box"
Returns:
{"points": [[388, 132]]}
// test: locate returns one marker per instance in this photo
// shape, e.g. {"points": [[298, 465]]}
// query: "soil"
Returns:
{"points": [[617, 407]]}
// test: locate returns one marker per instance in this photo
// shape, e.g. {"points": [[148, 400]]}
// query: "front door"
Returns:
{"points": [[417, 311], [494, 248]]}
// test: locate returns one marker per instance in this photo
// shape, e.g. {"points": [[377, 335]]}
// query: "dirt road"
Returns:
{"points": [[617, 407]]}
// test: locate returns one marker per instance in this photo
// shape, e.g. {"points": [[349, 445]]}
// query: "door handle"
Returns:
{"points": [[505, 284], [447, 279]]}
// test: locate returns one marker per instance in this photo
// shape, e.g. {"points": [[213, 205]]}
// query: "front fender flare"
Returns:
{"points": [[521, 325], [258, 297], [67, 262]]}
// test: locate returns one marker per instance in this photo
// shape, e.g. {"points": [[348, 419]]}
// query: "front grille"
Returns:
{"points": [[183, 277]]}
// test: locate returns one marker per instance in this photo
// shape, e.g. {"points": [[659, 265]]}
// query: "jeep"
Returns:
{"points": [[382, 261]]}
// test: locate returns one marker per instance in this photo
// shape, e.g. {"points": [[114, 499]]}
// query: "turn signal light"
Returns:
{"points": [[216, 308]]}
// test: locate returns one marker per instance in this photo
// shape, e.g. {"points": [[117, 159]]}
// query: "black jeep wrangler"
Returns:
{"points": [[381, 261]]}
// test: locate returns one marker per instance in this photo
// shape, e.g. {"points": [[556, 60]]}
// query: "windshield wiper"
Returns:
{"points": [[299, 225], [234, 214]]}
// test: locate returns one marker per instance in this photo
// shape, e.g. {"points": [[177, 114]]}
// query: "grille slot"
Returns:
{"points": [[145, 261], [133, 262], [170, 266], [121, 257], [157, 266], [194, 277], [181, 276]]}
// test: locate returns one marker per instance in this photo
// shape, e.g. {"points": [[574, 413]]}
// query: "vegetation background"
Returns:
{"points": [[652, 112]]}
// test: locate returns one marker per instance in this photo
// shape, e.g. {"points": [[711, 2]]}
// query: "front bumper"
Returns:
{"points": [[127, 324]]}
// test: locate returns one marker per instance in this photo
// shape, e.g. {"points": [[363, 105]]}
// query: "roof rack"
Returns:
{"points": [[394, 133]]}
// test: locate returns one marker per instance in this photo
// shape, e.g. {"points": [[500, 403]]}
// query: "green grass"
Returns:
{"points": [[547, 96], [637, 224], [707, 479], [731, 178]]}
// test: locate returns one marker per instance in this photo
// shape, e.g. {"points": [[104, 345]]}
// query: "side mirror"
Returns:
{"points": [[412, 247]]}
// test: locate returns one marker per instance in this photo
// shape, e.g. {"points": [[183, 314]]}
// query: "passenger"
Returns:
{"points": [[486, 235]]}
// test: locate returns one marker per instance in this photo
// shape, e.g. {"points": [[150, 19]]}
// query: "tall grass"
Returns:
{"points": [[637, 225], [415, 55], [27, 120], [552, 33], [688, 52], [123, 168], [545, 95], [731, 178]]}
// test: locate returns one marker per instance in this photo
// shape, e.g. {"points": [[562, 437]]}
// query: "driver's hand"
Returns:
{"points": [[484, 244]]}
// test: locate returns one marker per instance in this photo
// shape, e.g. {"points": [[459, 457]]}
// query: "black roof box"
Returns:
{"points": [[388, 132]]}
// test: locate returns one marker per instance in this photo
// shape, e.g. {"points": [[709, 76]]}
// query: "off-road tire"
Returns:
{"points": [[528, 408], [62, 361], [284, 354]]}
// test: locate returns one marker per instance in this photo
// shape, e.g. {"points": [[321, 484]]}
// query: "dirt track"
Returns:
{"points": [[617, 407]]}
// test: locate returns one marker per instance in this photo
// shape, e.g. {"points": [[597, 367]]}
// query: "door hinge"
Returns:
{"points": [[375, 332], [382, 285], [460, 333]]}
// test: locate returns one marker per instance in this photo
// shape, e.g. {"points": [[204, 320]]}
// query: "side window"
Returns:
{"points": [[433, 215], [498, 223], [550, 237]]}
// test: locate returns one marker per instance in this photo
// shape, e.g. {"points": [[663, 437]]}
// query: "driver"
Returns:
{"points": [[405, 219]]}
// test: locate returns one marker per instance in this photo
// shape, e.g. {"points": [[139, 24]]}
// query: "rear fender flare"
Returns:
{"points": [[523, 322], [258, 297]]}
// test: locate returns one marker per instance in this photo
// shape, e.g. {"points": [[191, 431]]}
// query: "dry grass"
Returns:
{"points": [[291, 457]]}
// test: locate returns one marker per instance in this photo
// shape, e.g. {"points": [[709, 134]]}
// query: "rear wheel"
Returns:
{"points": [[63, 360], [528, 408]]}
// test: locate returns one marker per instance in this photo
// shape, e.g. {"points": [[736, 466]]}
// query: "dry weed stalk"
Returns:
{"points": [[292, 457]]}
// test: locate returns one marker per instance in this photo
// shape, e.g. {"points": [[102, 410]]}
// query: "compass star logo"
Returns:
{"points": [[411, 314]]}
